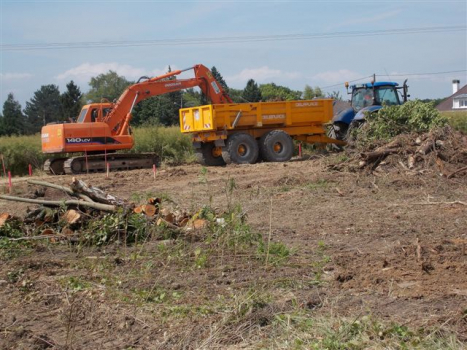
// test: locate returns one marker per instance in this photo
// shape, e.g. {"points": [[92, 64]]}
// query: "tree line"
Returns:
{"points": [[49, 105]]}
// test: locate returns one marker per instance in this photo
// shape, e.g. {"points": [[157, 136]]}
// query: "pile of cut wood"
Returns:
{"points": [[441, 150], [66, 217]]}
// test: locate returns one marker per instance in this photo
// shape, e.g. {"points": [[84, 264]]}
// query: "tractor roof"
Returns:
{"points": [[378, 83]]}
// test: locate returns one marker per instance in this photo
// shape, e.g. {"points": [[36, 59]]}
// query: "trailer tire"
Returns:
{"points": [[208, 155], [276, 146], [240, 148]]}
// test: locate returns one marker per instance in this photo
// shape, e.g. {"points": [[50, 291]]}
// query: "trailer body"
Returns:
{"points": [[262, 129]]}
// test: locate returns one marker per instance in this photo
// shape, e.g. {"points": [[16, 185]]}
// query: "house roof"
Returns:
{"points": [[446, 105]]}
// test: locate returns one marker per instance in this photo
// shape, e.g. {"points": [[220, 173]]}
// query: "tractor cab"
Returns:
{"points": [[377, 94]]}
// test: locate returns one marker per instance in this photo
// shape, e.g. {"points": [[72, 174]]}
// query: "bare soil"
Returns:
{"points": [[390, 244]]}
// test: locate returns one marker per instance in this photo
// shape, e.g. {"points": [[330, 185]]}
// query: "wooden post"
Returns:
{"points": [[30, 169], [10, 184], [154, 170], [108, 169], [300, 150]]}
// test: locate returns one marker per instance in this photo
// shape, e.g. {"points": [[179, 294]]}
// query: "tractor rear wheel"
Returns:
{"points": [[209, 155], [276, 146], [240, 148]]}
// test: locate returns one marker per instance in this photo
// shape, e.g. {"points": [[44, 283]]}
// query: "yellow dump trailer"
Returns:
{"points": [[242, 133]]}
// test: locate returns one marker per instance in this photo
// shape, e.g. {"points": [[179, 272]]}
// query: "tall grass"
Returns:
{"points": [[458, 120], [20, 151], [168, 142]]}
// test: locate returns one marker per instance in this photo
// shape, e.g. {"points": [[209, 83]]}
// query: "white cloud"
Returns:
{"points": [[84, 72], [262, 74], [336, 76], [14, 76]]}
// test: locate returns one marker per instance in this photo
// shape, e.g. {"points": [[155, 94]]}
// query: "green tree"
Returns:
{"points": [[236, 95], [318, 92], [71, 101], [106, 86], [44, 107], [273, 92], [252, 93], [220, 79], [13, 121], [308, 93], [336, 95]]}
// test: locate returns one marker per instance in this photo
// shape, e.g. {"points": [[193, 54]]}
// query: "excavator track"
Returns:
{"points": [[96, 163], [54, 166]]}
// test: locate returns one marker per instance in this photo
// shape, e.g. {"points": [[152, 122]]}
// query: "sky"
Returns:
{"points": [[291, 43]]}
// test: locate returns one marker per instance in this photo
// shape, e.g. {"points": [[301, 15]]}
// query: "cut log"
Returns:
{"points": [[378, 154], [95, 193], [138, 209], [71, 216], [149, 209], [48, 231], [154, 201], [4, 217], [99, 206], [67, 231], [427, 146]]}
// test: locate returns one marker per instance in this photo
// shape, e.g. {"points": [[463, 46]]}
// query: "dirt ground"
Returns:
{"points": [[389, 245]]}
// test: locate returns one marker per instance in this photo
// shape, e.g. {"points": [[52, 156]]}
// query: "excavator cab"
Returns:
{"points": [[94, 112]]}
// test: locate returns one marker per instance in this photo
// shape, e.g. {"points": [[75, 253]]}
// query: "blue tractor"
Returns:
{"points": [[366, 98]]}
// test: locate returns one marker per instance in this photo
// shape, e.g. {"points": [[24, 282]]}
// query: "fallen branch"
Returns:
{"points": [[440, 203], [61, 188], [34, 238], [457, 171], [95, 193], [99, 206]]}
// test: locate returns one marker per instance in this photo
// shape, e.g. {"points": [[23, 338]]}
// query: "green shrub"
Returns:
{"points": [[413, 116]]}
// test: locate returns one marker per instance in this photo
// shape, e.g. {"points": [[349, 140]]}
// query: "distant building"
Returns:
{"points": [[457, 101]]}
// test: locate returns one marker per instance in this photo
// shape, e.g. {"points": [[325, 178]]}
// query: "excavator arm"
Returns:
{"points": [[120, 117]]}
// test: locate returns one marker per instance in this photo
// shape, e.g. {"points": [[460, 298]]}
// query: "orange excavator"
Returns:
{"points": [[103, 128]]}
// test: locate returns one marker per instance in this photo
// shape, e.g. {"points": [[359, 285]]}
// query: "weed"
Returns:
{"points": [[321, 183], [321, 261], [277, 252], [11, 249], [75, 284]]}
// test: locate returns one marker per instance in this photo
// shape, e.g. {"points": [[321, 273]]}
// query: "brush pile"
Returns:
{"points": [[441, 150], [88, 214]]}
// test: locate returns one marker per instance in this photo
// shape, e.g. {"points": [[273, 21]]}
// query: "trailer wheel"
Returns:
{"points": [[276, 146], [209, 155], [240, 148]]}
